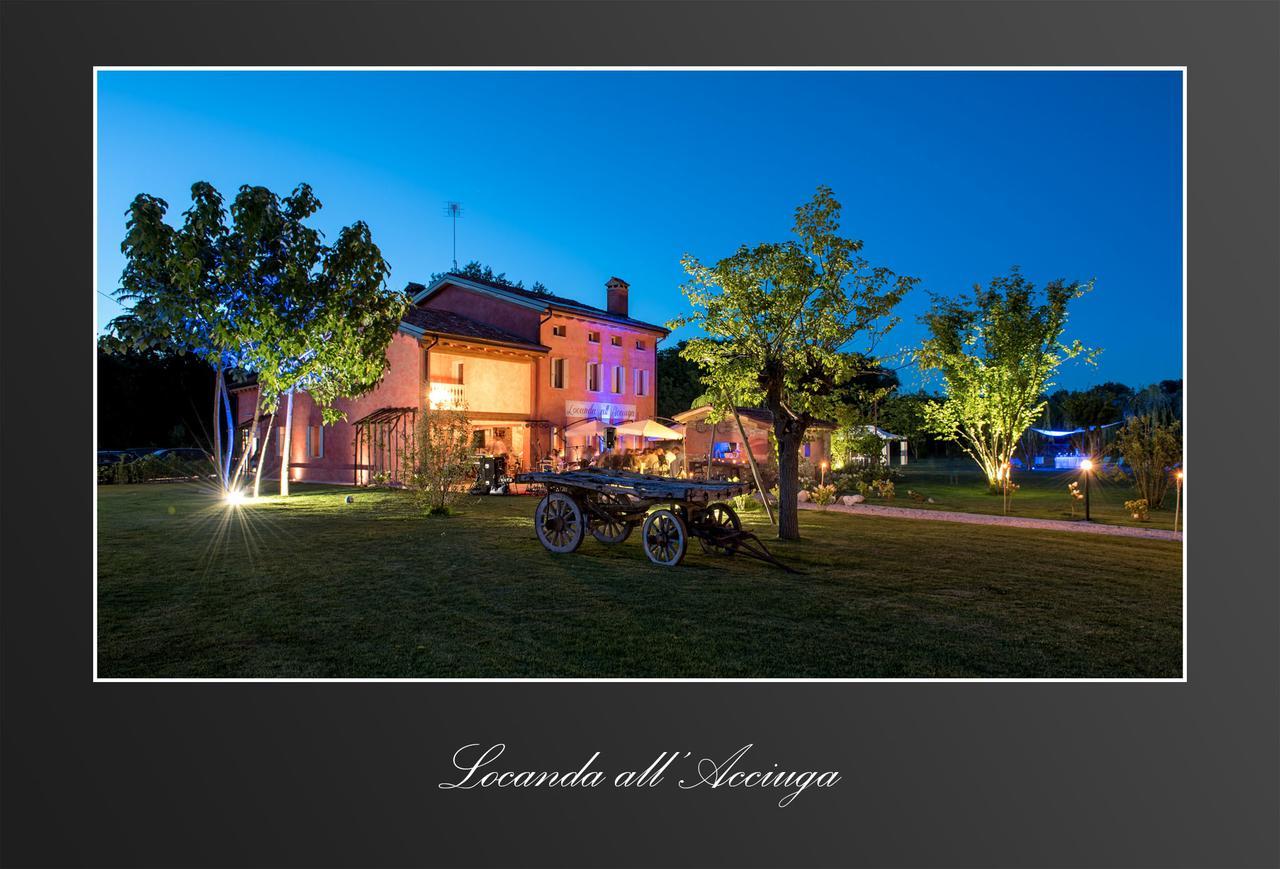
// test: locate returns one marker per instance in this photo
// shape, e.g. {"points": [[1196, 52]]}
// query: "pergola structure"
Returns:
{"points": [[381, 441]]}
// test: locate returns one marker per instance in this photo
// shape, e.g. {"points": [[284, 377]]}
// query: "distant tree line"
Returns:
{"points": [[479, 271], [147, 398]]}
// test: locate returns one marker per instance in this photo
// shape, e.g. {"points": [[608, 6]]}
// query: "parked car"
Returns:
{"points": [[111, 457]]}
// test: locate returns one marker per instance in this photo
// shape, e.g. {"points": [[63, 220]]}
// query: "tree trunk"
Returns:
{"points": [[285, 444], [788, 482], [251, 446], [231, 428], [262, 454], [217, 427]]}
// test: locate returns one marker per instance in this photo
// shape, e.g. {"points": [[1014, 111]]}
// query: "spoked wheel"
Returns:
{"points": [[559, 522], [665, 538], [721, 525], [612, 529]]}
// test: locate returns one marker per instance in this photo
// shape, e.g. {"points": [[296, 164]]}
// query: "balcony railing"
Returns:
{"points": [[446, 396]]}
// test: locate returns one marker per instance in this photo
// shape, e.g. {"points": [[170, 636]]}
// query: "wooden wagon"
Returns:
{"points": [[608, 505]]}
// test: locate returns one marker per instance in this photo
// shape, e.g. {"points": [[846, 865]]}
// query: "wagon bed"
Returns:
{"points": [[648, 486], [610, 504]]}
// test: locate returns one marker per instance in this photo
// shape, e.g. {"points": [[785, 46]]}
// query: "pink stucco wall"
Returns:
{"points": [[400, 387]]}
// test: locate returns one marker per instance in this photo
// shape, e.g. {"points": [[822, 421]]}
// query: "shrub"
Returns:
{"points": [[153, 468], [1073, 489], [1151, 449], [884, 488], [1138, 508], [440, 459], [850, 480], [745, 503], [823, 495]]}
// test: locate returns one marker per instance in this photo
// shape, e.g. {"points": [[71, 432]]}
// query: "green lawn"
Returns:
{"points": [[316, 587], [959, 485]]}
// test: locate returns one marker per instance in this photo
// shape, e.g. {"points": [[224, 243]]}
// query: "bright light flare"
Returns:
{"points": [[234, 498], [1086, 465]]}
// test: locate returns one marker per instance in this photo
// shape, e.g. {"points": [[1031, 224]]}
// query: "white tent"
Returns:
{"points": [[887, 437], [650, 429]]}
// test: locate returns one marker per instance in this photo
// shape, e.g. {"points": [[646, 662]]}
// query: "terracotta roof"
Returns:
{"points": [[550, 299], [448, 323]]}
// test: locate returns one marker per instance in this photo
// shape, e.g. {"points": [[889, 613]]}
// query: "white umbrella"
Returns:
{"points": [[649, 428], [585, 428]]}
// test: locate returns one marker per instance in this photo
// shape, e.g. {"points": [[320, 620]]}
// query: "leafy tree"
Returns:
{"points": [[323, 315], [264, 295], [996, 351], [779, 319], [478, 271], [1151, 449], [679, 381], [1162, 401]]}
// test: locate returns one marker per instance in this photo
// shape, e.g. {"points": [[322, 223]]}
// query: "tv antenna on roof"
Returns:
{"points": [[453, 210]]}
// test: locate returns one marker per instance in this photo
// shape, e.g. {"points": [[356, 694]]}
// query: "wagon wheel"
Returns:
{"points": [[720, 524], [611, 529], [664, 537], [559, 523]]}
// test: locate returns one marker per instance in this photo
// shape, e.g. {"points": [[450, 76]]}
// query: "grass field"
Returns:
{"points": [[315, 587], [959, 485]]}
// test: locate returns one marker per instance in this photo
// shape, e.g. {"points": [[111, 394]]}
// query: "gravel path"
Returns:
{"points": [[1008, 521]]}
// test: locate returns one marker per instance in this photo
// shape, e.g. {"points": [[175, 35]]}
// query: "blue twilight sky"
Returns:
{"points": [[571, 177]]}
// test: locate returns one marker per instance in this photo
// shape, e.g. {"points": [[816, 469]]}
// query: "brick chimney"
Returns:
{"points": [[617, 295]]}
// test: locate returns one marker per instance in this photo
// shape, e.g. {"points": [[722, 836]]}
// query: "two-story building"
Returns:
{"points": [[534, 372]]}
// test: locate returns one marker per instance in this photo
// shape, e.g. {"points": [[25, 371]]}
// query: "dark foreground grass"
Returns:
{"points": [[316, 587]]}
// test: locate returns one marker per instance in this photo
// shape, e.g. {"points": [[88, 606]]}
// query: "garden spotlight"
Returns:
{"points": [[1086, 466]]}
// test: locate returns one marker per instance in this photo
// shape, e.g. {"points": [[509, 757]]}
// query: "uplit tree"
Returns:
{"points": [[997, 350], [326, 314], [778, 321], [263, 295]]}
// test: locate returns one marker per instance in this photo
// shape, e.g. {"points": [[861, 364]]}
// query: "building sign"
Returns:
{"points": [[606, 412]]}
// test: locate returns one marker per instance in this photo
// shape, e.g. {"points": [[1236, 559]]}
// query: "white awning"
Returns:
{"points": [[585, 428], [649, 428]]}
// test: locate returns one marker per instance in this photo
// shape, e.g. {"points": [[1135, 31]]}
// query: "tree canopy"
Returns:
{"points": [[479, 271], [679, 380]]}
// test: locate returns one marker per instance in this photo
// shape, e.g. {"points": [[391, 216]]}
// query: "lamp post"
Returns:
{"points": [[1177, 502], [1086, 466]]}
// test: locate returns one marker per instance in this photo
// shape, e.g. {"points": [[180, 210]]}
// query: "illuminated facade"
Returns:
{"points": [[534, 372]]}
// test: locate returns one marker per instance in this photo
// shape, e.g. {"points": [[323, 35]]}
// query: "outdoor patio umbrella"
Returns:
{"points": [[649, 428], [585, 428]]}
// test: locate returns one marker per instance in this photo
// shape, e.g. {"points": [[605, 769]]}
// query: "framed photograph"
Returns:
{"points": [[726, 434]]}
